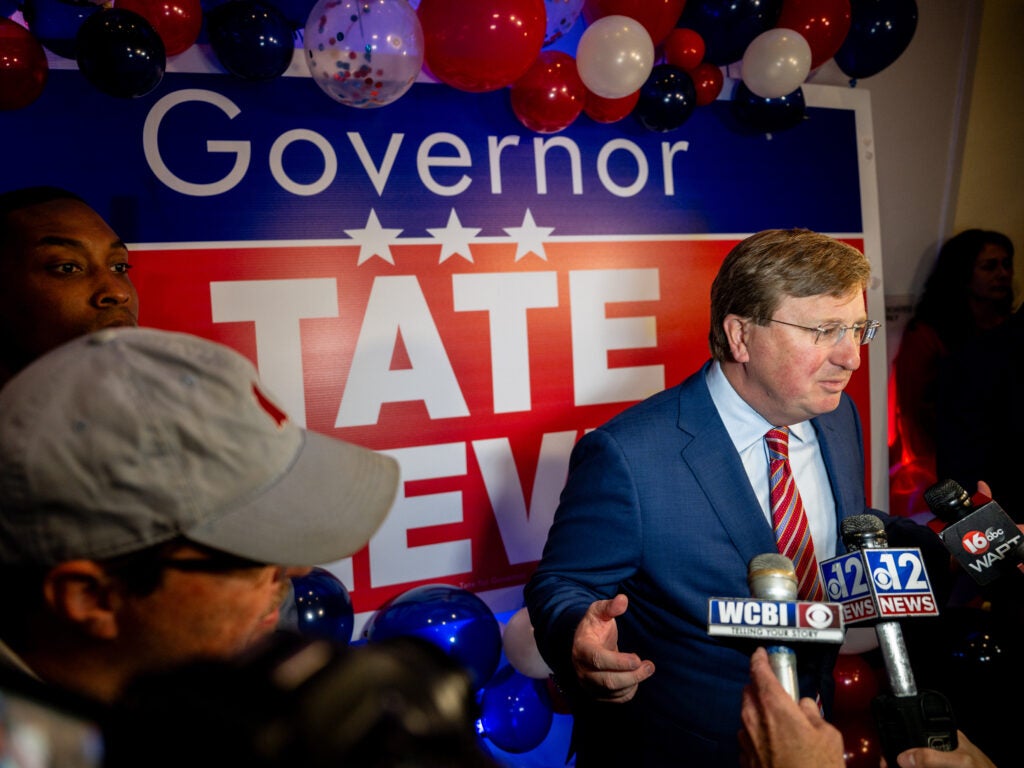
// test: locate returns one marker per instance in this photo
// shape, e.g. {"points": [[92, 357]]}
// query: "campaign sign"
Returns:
{"points": [[433, 281], [775, 619]]}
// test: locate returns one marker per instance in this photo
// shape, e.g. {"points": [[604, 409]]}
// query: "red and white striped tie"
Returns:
{"points": [[788, 517]]}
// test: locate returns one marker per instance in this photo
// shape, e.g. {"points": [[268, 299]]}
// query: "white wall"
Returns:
{"points": [[918, 107], [949, 131], [991, 191]]}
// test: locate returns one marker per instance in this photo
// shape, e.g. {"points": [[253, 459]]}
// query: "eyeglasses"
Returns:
{"points": [[830, 334], [217, 562]]}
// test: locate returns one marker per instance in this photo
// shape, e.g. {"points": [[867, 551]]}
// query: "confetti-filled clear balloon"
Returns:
{"points": [[23, 66], [364, 53]]}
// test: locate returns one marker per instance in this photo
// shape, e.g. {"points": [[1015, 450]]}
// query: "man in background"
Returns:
{"points": [[63, 272], [155, 502]]}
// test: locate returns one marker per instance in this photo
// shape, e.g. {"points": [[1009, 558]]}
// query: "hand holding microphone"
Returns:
{"points": [[984, 540], [773, 577], [895, 585], [773, 617]]}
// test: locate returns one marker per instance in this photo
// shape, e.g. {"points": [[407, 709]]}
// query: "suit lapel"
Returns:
{"points": [[710, 455]]}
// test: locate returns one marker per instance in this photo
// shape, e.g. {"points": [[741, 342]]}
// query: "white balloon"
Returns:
{"points": [[859, 640], [521, 649], [614, 56], [776, 63]]}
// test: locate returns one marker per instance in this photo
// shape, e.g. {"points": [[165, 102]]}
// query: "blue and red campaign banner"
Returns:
{"points": [[432, 280]]}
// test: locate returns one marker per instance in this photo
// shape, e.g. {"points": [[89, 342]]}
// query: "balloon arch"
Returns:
{"points": [[657, 60]]}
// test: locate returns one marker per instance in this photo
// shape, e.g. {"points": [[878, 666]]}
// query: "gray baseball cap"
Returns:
{"points": [[129, 437]]}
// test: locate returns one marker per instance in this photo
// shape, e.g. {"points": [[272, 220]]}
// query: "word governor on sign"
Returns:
{"points": [[775, 619]]}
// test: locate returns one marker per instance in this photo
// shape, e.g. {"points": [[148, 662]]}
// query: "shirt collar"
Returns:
{"points": [[744, 425]]}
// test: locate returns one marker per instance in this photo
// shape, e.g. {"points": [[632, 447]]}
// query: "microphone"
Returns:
{"points": [[773, 577], [907, 717], [867, 532], [773, 614], [984, 540]]}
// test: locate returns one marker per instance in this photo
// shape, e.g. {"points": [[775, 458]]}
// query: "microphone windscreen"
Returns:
{"points": [[863, 532], [857, 524], [948, 501], [772, 576]]}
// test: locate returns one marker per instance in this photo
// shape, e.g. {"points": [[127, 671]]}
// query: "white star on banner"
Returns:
{"points": [[529, 237], [374, 240], [455, 238]]}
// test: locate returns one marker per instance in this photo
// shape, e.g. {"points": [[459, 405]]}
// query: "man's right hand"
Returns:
{"points": [[601, 669]]}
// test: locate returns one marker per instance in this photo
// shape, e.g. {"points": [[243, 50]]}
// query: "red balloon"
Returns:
{"points": [[550, 96], [23, 66], [658, 17], [856, 684], [178, 22], [707, 82], [684, 48], [824, 24], [481, 45], [861, 746], [602, 110]]}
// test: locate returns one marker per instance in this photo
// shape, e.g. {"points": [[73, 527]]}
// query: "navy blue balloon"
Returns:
{"points": [[251, 39], [55, 23], [880, 31], [667, 98], [728, 26], [455, 620], [323, 607], [120, 53], [515, 711], [768, 115]]}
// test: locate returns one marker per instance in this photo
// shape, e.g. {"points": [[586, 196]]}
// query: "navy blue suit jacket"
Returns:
{"points": [[657, 505]]}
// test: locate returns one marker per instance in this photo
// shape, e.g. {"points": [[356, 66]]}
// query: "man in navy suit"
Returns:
{"points": [[666, 504]]}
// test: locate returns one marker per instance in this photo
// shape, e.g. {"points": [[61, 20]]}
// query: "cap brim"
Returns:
{"points": [[324, 508]]}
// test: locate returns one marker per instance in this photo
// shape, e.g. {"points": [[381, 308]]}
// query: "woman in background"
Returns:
{"points": [[969, 291]]}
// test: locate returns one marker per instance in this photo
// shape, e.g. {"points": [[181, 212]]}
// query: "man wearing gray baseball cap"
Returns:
{"points": [[155, 503]]}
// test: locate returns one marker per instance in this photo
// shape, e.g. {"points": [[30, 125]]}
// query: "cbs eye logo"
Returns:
{"points": [[819, 616]]}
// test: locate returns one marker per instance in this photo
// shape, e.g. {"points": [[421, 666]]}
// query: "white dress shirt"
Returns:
{"points": [[747, 428]]}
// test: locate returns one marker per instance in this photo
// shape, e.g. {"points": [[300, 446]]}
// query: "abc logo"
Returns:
{"points": [[976, 542]]}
